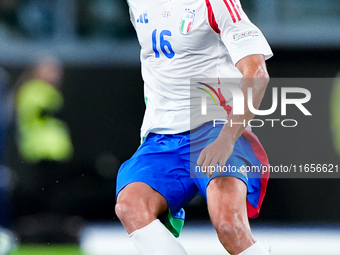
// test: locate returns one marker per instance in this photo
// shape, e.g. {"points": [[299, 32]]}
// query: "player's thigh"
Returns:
{"points": [[226, 198], [158, 164]]}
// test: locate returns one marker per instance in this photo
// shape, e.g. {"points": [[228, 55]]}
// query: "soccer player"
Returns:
{"points": [[182, 40]]}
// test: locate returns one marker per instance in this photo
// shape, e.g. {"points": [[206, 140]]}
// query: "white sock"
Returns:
{"points": [[156, 239], [255, 249]]}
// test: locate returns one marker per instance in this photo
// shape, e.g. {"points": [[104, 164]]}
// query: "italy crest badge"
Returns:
{"points": [[187, 22]]}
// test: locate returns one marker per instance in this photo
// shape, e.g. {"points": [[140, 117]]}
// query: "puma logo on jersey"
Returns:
{"points": [[143, 18]]}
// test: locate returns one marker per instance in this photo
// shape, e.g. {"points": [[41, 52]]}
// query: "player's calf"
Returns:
{"points": [[226, 198], [227, 208]]}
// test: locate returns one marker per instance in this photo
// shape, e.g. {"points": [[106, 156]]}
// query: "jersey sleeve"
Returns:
{"points": [[241, 37], [132, 17]]}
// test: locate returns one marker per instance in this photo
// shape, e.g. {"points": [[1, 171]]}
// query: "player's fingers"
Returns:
{"points": [[212, 167], [205, 165], [201, 158], [222, 163]]}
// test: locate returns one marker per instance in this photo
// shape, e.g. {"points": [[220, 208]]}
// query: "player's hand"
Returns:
{"points": [[218, 151]]}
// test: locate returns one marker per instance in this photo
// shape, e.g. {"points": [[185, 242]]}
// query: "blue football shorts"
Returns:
{"points": [[167, 163]]}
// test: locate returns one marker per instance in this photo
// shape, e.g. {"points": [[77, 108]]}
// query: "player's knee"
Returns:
{"points": [[124, 210], [231, 227], [132, 211]]}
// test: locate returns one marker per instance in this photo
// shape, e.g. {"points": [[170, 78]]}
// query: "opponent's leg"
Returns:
{"points": [[226, 198], [138, 206]]}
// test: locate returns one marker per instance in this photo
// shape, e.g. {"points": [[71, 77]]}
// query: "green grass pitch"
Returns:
{"points": [[47, 250]]}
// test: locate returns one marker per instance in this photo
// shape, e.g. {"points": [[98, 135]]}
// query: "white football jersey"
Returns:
{"points": [[183, 39]]}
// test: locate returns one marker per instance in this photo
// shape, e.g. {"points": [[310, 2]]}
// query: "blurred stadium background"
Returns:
{"points": [[103, 109]]}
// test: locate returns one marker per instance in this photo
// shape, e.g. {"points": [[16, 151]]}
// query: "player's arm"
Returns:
{"points": [[255, 76]]}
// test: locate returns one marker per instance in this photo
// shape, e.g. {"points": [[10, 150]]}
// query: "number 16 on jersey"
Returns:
{"points": [[164, 44]]}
